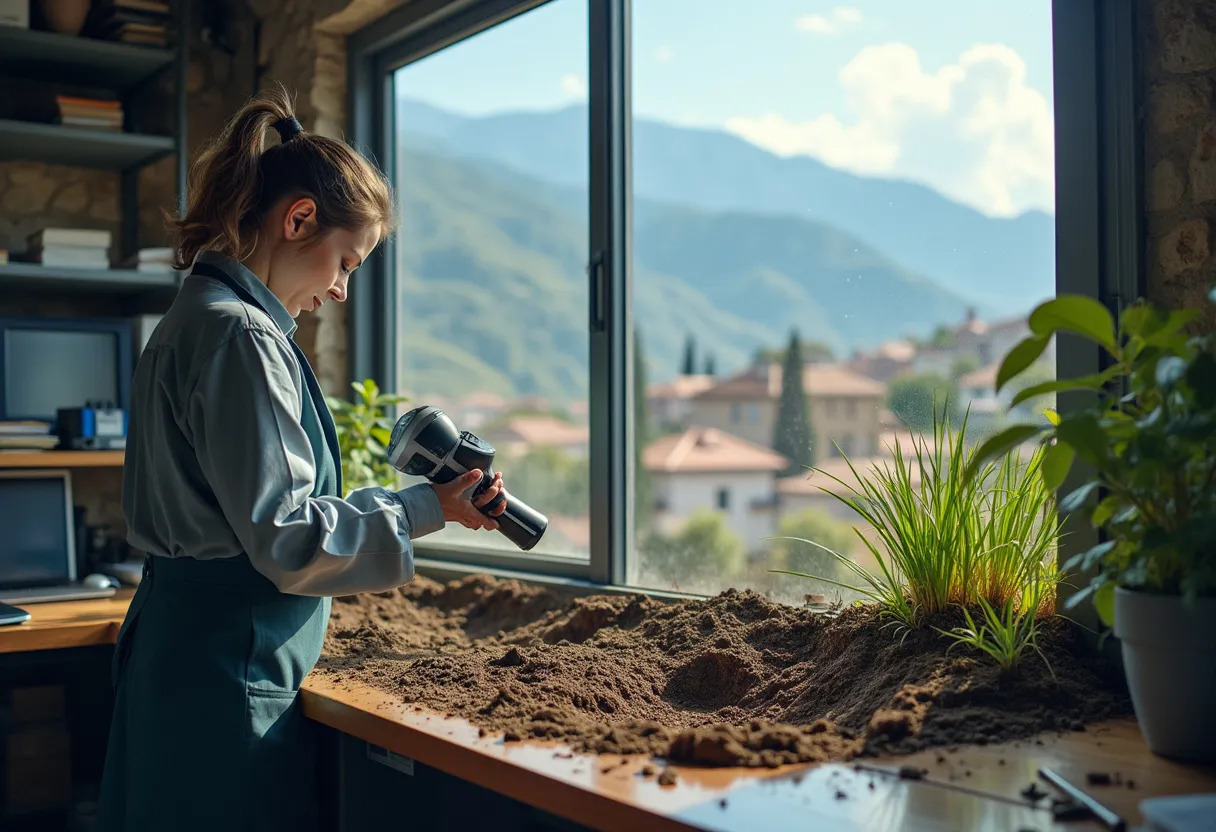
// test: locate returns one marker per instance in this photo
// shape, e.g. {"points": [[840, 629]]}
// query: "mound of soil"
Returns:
{"points": [[730, 680]]}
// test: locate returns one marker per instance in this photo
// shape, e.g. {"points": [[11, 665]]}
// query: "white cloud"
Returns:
{"points": [[663, 54], [973, 129], [830, 24], [574, 86]]}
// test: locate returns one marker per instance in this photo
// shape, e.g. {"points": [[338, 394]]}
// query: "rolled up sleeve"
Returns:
{"points": [[245, 419]]}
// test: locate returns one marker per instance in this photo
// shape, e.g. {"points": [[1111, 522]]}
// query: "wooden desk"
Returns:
{"points": [[608, 792], [61, 624]]}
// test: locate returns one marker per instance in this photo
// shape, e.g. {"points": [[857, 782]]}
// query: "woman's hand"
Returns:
{"points": [[459, 508]]}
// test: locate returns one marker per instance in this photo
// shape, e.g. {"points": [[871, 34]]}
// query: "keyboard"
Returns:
{"points": [[36, 595]]}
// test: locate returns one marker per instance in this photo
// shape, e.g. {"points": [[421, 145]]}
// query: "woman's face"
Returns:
{"points": [[310, 266]]}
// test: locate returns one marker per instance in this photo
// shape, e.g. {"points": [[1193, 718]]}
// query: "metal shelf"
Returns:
{"points": [[47, 56], [33, 142], [33, 276]]}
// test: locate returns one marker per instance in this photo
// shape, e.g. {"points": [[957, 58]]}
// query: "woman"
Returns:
{"points": [[232, 486]]}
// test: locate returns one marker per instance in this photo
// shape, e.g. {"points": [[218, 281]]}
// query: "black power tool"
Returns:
{"points": [[425, 443]]}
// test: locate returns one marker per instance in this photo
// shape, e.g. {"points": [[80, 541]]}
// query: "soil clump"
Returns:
{"points": [[731, 680]]}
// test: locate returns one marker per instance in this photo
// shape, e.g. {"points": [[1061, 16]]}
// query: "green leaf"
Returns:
{"points": [[1104, 603], [1170, 371], [382, 435], [1096, 553], [1018, 359], [1090, 382], [1166, 334], [1075, 313], [1077, 498], [999, 445], [1137, 319], [1104, 510], [1057, 462], [1083, 432], [1053, 416]]}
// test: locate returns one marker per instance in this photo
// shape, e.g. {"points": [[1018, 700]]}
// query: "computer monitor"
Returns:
{"points": [[49, 363], [37, 538]]}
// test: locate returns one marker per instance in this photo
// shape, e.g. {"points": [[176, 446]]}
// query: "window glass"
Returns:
{"points": [[872, 183], [491, 179]]}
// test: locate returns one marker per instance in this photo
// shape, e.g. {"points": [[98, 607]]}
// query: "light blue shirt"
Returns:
{"points": [[218, 461]]}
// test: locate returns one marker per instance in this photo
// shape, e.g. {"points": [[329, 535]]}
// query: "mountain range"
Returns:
{"points": [[1003, 264], [493, 246]]}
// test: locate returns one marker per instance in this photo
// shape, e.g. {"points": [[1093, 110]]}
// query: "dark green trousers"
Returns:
{"points": [[207, 732]]}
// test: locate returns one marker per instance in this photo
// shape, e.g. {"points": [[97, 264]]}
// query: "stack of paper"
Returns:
{"points": [[80, 248], [26, 436]]}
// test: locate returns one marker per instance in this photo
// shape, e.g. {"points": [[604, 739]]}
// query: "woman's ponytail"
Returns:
{"points": [[225, 182], [236, 180]]}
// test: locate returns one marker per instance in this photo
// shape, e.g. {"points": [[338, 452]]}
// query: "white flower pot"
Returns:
{"points": [[1169, 657]]}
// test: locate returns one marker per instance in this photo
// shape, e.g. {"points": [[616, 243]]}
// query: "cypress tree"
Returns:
{"points": [[690, 356], [792, 431]]}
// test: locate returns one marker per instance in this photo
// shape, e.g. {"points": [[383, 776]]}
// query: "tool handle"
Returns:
{"points": [[1110, 819]]}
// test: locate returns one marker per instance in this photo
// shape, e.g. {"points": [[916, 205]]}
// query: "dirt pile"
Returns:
{"points": [[731, 680]]}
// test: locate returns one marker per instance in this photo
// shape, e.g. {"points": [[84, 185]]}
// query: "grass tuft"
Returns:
{"points": [[942, 539]]}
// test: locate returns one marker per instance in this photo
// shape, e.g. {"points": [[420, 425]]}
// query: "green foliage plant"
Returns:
{"points": [[364, 426], [1142, 434]]}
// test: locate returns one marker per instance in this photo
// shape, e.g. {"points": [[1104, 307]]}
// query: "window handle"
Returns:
{"points": [[595, 288]]}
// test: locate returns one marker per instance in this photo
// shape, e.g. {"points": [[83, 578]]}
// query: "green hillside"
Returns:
{"points": [[493, 288]]}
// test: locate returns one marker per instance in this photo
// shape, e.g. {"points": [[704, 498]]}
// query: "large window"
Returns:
{"points": [[669, 257], [870, 184], [491, 178]]}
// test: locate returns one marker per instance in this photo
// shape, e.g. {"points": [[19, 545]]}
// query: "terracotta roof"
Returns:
{"points": [[983, 377], [483, 399], [544, 430], [764, 382], [709, 449], [681, 387], [895, 350], [811, 483]]}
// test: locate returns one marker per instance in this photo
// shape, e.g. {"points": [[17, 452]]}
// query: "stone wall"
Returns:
{"points": [[1179, 67], [303, 45]]}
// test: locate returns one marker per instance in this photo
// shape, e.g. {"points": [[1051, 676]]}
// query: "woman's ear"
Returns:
{"points": [[300, 221]]}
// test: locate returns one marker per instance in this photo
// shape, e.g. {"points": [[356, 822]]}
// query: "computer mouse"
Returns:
{"points": [[99, 581]]}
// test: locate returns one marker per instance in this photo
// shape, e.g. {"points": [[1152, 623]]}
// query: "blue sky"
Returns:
{"points": [[952, 93]]}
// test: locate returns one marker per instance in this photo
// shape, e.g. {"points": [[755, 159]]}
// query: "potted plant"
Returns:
{"points": [[364, 427], [1144, 435]]}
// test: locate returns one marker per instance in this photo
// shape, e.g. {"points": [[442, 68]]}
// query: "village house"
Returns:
{"points": [[845, 407], [703, 468], [516, 436], [669, 404]]}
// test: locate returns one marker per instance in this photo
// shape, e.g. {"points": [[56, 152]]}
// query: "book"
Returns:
{"points": [[94, 237], [28, 443], [92, 123], [25, 427], [15, 13], [154, 6], [81, 257]]}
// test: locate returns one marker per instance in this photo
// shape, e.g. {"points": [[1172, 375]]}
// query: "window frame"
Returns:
{"points": [[1099, 224]]}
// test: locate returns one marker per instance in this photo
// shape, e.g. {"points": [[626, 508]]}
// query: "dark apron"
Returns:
{"points": [[207, 732]]}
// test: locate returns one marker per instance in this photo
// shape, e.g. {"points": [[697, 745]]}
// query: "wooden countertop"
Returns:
{"points": [[60, 624], [970, 788], [608, 792]]}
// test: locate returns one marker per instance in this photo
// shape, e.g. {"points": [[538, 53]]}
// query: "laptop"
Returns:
{"points": [[38, 539], [12, 615]]}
